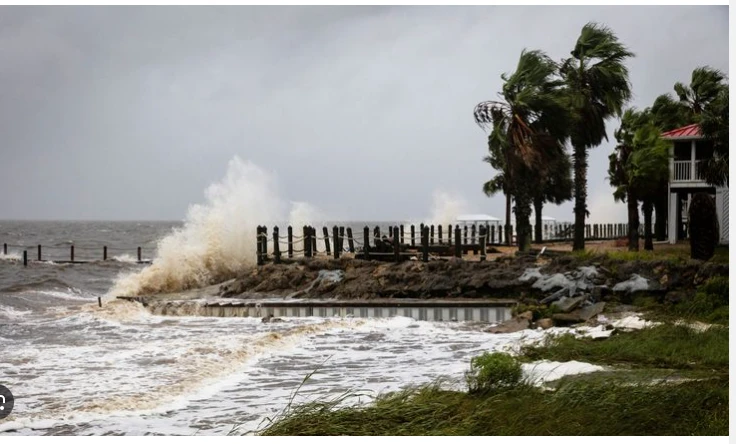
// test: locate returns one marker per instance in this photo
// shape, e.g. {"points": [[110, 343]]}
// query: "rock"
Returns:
{"points": [[528, 315], [567, 318], [568, 304], [596, 293], [545, 323], [510, 326], [592, 310]]}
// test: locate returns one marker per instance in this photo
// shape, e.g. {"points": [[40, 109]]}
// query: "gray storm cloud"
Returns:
{"points": [[365, 112]]}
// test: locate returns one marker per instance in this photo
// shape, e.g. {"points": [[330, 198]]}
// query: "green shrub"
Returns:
{"points": [[709, 303], [493, 371]]}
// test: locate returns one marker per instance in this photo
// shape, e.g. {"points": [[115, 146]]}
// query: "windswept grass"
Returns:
{"points": [[590, 407], [678, 254], [663, 346]]}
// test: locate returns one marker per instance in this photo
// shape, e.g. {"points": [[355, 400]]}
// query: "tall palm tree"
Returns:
{"points": [[597, 82], [620, 169], [533, 119], [706, 83], [556, 189], [498, 147], [714, 125]]}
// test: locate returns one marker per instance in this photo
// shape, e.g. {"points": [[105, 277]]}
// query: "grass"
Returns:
{"points": [[676, 254], [663, 346], [709, 304], [577, 407]]}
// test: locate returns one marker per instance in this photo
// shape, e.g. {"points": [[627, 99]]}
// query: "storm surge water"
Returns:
{"points": [[217, 240]]}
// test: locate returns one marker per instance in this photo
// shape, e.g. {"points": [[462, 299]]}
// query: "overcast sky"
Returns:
{"points": [[129, 113]]}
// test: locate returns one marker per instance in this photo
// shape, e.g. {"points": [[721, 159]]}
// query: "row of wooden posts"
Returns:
{"points": [[71, 254], [469, 238]]}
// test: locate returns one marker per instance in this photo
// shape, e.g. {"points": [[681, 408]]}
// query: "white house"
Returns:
{"points": [[689, 149]]}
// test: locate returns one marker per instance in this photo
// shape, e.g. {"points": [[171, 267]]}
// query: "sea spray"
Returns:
{"points": [[446, 208], [217, 240]]}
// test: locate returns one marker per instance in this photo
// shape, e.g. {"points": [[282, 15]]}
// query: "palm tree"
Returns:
{"points": [[556, 189], [706, 84], [597, 82], [620, 171], [498, 152], [714, 125], [533, 122]]}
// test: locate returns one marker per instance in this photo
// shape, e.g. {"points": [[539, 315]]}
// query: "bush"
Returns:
{"points": [[493, 371], [710, 302]]}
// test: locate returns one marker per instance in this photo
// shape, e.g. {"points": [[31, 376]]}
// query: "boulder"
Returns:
{"points": [[528, 315], [545, 323], [567, 305], [510, 326], [588, 312]]}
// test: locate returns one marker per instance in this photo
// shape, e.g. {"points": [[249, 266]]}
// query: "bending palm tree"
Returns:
{"points": [[598, 86], [533, 122]]}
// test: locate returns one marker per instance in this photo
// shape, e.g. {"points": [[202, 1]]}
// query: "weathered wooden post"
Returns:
{"points": [[397, 250], [431, 235], [465, 235], [342, 239], [259, 246], [449, 234], [314, 241], [326, 235], [413, 240], [483, 237], [439, 234], [390, 231], [25, 258], [473, 239], [351, 244], [401, 230], [139, 255], [367, 243], [336, 241], [290, 240], [71, 253], [5, 249], [376, 236], [276, 249], [493, 234], [458, 244], [39, 253], [264, 243], [425, 243], [104, 253], [305, 240], [99, 301], [421, 231]]}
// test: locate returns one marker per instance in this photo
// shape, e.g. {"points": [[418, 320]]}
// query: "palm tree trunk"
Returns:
{"points": [[507, 230], [523, 210], [538, 204], [647, 208], [633, 209], [580, 165]]}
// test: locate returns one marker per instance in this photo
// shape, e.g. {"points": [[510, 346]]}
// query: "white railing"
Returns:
{"points": [[686, 171]]}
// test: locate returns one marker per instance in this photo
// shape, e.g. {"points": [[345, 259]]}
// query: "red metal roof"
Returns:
{"points": [[690, 132]]}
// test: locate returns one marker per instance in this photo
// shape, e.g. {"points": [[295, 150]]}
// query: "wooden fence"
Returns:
{"points": [[402, 242], [71, 258]]}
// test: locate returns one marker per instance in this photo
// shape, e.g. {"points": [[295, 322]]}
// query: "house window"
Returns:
{"points": [[683, 151]]}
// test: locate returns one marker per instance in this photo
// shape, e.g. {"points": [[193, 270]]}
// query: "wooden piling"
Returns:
{"points": [[465, 235], [5, 249], [366, 241], [449, 234], [376, 236], [351, 243], [401, 231], [313, 251], [336, 241], [104, 253], [140, 257], [290, 240], [25, 258], [71, 253], [99, 301], [458, 246], [397, 250], [276, 249], [431, 235], [439, 234], [473, 239], [342, 239], [413, 239], [259, 246], [326, 235], [390, 231], [39, 253], [425, 243], [483, 240], [493, 234]]}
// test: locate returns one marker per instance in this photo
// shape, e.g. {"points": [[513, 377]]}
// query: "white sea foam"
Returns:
{"points": [[12, 313], [217, 240], [446, 207], [540, 372]]}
